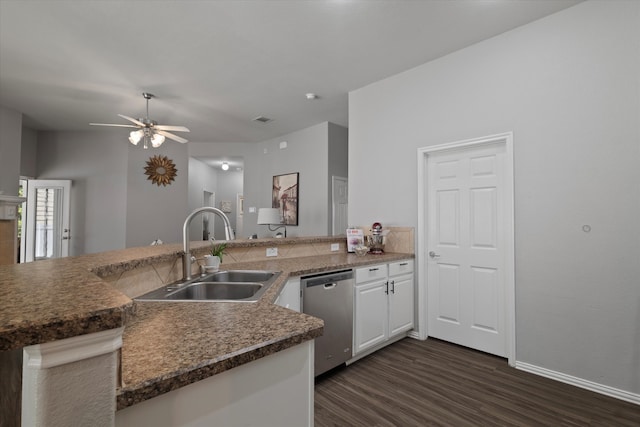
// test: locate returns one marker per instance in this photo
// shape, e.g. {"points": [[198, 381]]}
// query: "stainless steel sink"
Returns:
{"points": [[238, 276], [215, 291], [229, 285]]}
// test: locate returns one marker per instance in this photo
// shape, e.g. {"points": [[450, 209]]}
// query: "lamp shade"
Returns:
{"points": [[157, 140], [135, 136], [269, 216]]}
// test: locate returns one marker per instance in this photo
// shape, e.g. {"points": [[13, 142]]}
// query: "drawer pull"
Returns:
{"points": [[373, 269], [402, 264]]}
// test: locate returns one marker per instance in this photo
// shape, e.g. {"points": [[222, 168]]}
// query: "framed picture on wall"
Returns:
{"points": [[284, 197]]}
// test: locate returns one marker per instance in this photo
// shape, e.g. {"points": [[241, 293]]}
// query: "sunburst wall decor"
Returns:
{"points": [[160, 170]]}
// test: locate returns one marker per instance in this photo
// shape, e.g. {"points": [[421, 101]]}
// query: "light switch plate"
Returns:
{"points": [[272, 251], [335, 247]]}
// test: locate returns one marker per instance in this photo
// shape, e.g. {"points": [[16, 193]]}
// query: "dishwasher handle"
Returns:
{"points": [[330, 285]]}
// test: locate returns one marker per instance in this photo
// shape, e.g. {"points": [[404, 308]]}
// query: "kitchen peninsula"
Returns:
{"points": [[170, 348]]}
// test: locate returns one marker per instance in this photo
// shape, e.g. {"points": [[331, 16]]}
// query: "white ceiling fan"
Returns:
{"points": [[148, 131]]}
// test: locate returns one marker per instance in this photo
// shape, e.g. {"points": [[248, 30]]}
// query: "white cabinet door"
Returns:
{"points": [[290, 295], [370, 315], [400, 304]]}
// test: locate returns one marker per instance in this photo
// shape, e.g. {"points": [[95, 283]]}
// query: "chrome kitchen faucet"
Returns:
{"points": [[187, 260]]}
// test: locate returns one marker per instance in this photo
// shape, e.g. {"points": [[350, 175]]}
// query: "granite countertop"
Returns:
{"points": [[51, 300], [217, 336], [166, 345]]}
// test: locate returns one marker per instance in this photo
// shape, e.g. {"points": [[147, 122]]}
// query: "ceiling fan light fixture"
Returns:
{"points": [[157, 140], [135, 136], [225, 166], [148, 131]]}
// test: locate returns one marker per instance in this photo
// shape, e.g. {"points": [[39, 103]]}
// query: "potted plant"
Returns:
{"points": [[215, 258]]}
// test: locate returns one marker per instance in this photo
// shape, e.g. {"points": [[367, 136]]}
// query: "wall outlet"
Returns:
{"points": [[335, 247], [272, 251]]}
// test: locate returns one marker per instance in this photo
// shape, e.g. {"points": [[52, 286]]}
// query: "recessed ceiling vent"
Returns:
{"points": [[262, 119]]}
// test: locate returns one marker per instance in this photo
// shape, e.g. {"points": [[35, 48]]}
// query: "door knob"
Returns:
{"points": [[434, 255]]}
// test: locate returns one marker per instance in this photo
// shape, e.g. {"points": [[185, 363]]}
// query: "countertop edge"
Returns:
{"points": [[28, 334], [129, 396]]}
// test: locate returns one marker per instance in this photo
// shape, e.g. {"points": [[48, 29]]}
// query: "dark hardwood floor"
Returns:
{"points": [[435, 383]]}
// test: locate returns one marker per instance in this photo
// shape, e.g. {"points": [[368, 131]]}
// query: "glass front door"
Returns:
{"points": [[47, 220]]}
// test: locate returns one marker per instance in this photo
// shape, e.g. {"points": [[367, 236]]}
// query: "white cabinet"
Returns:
{"points": [[400, 297], [290, 295], [370, 326], [383, 303]]}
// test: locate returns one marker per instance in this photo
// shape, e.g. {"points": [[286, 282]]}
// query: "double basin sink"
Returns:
{"points": [[228, 285]]}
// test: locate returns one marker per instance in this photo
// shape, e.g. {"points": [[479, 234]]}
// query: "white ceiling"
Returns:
{"points": [[216, 65]]}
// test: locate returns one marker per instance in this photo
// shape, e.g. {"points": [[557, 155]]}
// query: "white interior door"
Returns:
{"points": [[467, 247], [340, 200], [47, 225]]}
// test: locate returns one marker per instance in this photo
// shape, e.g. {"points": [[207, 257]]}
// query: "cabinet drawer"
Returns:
{"points": [[401, 267], [371, 272]]}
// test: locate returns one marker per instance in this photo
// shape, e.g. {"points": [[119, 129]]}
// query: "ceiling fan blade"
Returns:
{"points": [[172, 136], [113, 124], [172, 128], [132, 120]]}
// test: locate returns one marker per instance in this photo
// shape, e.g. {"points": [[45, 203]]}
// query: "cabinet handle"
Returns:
{"points": [[402, 264], [393, 286], [373, 269], [386, 290]]}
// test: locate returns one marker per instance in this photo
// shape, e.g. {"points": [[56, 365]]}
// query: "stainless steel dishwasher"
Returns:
{"points": [[329, 296]]}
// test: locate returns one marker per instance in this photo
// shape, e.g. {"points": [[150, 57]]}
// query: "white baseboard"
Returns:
{"points": [[579, 382]]}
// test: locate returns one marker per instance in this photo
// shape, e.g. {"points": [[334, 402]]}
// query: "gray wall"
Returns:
{"points": [[29, 153], [338, 163], [96, 162], [202, 150], [308, 152], [568, 87], [201, 177], [230, 183], [114, 205], [10, 139], [156, 212]]}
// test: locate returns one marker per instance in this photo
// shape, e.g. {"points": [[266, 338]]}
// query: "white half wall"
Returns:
{"points": [[568, 87]]}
